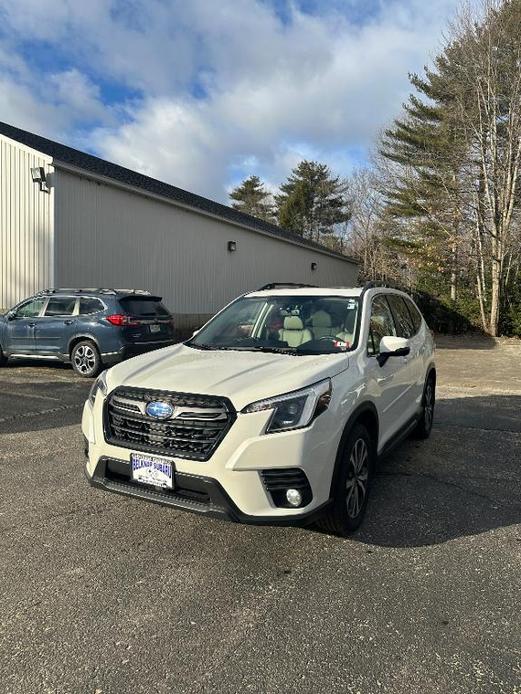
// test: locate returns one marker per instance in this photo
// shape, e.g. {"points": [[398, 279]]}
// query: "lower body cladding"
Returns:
{"points": [[246, 480]]}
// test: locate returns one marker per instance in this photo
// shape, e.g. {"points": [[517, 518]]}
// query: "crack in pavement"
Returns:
{"points": [[37, 413]]}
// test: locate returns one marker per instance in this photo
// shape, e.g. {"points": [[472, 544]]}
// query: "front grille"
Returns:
{"points": [[199, 423], [278, 480]]}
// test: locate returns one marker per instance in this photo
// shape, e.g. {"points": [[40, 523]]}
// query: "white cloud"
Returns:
{"points": [[319, 85], [78, 95]]}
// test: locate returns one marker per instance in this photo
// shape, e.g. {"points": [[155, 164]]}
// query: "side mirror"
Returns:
{"points": [[11, 315], [391, 346]]}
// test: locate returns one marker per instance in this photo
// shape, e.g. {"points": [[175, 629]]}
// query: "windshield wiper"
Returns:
{"points": [[228, 348], [273, 350], [210, 347]]}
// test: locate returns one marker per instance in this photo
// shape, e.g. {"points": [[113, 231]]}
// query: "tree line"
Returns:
{"points": [[438, 210], [312, 202]]}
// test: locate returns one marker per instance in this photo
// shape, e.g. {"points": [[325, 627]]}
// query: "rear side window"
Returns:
{"points": [[60, 306], [88, 306], [416, 316], [151, 308], [402, 317]]}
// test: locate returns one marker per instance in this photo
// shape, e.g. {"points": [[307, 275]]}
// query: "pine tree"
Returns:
{"points": [[427, 147], [312, 201], [252, 197], [457, 155]]}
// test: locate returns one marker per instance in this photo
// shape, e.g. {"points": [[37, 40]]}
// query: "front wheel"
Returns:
{"points": [[85, 359], [424, 427], [354, 479]]}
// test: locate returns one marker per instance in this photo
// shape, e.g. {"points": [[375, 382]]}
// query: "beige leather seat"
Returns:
{"points": [[294, 332], [321, 325]]}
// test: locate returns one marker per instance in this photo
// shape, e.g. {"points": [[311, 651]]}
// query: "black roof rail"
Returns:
{"points": [[286, 285], [75, 290], [374, 285]]}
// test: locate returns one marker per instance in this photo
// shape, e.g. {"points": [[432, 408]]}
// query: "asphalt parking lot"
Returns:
{"points": [[101, 594]]}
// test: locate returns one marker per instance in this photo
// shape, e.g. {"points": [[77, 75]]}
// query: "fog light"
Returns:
{"points": [[294, 497]]}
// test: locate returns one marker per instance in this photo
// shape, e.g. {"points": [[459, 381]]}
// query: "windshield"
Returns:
{"points": [[288, 324]]}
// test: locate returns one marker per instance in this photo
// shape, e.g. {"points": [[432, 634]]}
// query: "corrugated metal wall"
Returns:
{"points": [[110, 237], [26, 224]]}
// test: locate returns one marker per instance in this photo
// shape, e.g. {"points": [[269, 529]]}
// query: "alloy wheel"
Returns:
{"points": [[85, 359], [357, 478], [428, 407]]}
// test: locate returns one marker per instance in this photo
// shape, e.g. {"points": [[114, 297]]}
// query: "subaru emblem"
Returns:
{"points": [[159, 410]]}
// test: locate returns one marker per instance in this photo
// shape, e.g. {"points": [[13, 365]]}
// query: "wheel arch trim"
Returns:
{"points": [[79, 338], [364, 408]]}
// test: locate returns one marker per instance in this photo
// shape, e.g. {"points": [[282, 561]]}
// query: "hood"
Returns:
{"points": [[241, 376]]}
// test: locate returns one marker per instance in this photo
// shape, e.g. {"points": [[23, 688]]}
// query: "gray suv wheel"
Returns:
{"points": [[85, 359]]}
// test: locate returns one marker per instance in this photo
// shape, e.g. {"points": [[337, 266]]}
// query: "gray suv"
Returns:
{"points": [[90, 328]]}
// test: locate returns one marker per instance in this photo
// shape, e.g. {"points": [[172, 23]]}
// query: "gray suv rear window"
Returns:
{"points": [[144, 307]]}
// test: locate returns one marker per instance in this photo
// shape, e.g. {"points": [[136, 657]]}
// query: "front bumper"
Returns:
{"points": [[193, 493], [232, 483]]}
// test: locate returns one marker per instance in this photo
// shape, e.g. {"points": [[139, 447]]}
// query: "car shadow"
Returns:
{"points": [[34, 399], [463, 481], [469, 340], [27, 364]]}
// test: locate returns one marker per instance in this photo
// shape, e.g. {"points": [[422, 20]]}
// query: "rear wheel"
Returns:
{"points": [[85, 359], [353, 484], [424, 427]]}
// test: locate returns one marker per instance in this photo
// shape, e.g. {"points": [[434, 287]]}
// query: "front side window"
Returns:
{"points": [[381, 324], [402, 317], [60, 306], [416, 316], [31, 309], [292, 324]]}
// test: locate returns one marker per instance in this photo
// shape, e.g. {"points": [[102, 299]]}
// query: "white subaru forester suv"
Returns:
{"points": [[276, 411]]}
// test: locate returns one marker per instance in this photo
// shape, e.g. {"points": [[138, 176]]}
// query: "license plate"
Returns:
{"points": [[148, 469], [155, 328]]}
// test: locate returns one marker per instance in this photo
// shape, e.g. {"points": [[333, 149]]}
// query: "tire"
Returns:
{"points": [[3, 358], [357, 463], [85, 359], [424, 427]]}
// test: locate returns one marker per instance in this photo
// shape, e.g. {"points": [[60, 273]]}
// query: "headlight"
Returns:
{"points": [[294, 410], [99, 384]]}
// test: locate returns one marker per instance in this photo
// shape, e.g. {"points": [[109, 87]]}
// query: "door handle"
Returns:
{"points": [[68, 322], [31, 325], [385, 379]]}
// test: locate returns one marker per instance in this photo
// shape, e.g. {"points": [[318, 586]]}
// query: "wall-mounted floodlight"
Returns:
{"points": [[314, 266], [232, 246], [38, 176]]}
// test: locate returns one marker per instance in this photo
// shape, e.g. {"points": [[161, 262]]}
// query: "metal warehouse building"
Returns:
{"points": [[69, 219]]}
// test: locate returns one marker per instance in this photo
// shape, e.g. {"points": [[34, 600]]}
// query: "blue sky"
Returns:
{"points": [[206, 92]]}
